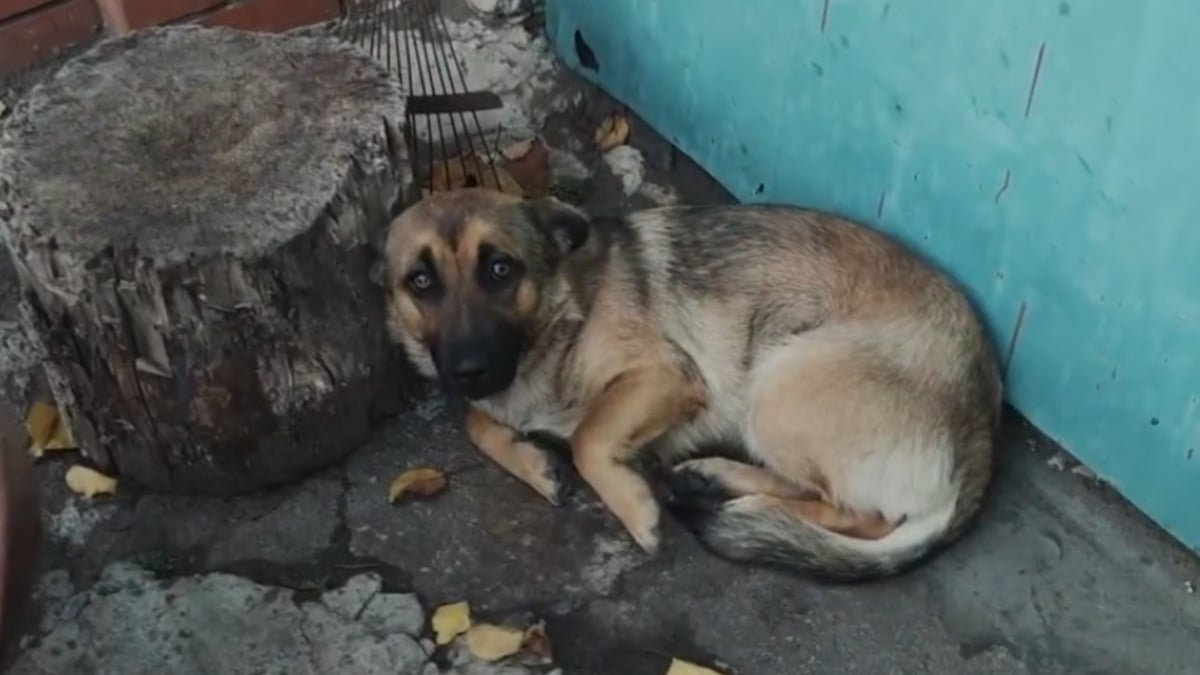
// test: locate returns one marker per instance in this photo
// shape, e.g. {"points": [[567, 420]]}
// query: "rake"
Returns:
{"points": [[447, 145]]}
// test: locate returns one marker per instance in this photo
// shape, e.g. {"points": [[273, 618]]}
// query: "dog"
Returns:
{"points": [[854, 385]]}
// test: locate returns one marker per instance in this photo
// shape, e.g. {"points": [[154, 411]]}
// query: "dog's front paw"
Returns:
{"points": [[647, 536], [560, 477], [549, 473]]}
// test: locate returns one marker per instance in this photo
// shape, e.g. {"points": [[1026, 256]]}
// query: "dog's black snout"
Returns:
{"points": [[478, 364], [469, 367]]}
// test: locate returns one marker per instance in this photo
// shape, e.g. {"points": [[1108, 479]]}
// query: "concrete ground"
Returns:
{"points": [[325, 576]]}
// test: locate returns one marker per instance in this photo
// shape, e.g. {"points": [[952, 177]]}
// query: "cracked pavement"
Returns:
{"points": [[1059, 576]]}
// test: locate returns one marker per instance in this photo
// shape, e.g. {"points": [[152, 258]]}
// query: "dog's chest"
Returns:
{"points": [[531, 408]]}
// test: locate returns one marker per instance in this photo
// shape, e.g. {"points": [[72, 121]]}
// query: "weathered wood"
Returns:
{"points": [[22, 376], [191, 213]]}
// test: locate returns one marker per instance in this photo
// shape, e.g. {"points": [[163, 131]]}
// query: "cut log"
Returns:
{"points": [[22, 376], [193, 214]]}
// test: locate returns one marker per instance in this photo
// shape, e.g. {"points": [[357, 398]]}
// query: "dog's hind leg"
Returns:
{"points": [[827, 411], [713, 482], [724, 478]]}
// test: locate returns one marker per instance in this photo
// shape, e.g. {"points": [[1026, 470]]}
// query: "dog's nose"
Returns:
{"points": [[469, 368]]}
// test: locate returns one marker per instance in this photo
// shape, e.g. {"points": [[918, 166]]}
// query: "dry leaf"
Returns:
{"points": [[89, 482], [537, 643], [450, 621], [492, 643], [46, 429], [468, 170], [532, 170], [40, 422], [613, 131], [421, 483], [679, 667], [3, 108]]}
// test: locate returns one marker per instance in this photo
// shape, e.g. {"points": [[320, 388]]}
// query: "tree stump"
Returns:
{"points": [[22, 376], [193, 214]]}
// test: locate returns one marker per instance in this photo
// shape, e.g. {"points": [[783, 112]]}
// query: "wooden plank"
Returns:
{"points": [[32, 38], [273, 15]]}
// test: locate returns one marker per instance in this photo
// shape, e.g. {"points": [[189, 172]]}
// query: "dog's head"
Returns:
{"points": [[472, 277]]}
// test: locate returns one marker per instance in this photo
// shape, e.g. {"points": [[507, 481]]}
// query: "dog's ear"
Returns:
{"points": [[565, 225]]}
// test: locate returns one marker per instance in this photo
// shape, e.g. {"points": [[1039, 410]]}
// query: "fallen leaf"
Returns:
{"points": [[421, 483], [537, 643], [450, 621], [3, 108], [89, 482], [679, 667], [492, 643], [468, 170], [613, 131], [532, 170], [46, 429]]}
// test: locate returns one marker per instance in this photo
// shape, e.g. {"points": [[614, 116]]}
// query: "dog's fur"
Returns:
{"points": [[856, 381]]}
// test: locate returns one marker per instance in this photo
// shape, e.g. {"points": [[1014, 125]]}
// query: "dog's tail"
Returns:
{"points": [[761, 531]]}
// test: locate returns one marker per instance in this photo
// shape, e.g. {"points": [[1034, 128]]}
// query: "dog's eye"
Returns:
{"points": [[421, 281], [500, 269]]}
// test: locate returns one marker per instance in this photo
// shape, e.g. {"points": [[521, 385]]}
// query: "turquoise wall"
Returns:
{"points": [[1079, 202]]}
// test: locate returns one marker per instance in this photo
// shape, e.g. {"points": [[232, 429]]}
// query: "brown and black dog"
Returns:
{"points": [[857, 382]]}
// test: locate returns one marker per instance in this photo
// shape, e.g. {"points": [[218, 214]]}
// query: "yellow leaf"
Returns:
{"points": [[492, 643], [420, 483], [3, 108], [613, 131], [450, 621], [89, 482], [61, 439], [46, 429], [679, 667], [537, 643], [531, 170]]}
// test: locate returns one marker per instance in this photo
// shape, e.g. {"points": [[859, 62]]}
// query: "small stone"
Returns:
{"points": [[626, 163], [1058, 462], [390, 613], [1084, 472]]}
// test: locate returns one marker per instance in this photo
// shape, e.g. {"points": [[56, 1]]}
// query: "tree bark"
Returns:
{"points": [[193, 214]]}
